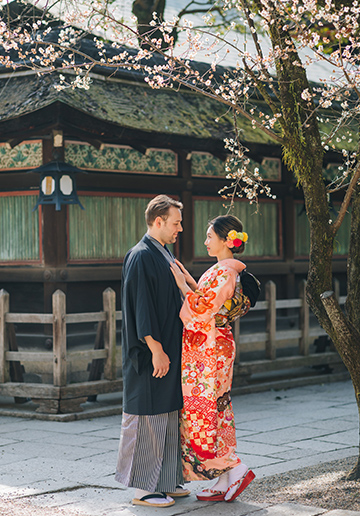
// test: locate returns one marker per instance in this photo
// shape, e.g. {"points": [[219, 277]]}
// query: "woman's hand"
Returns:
{"points": [[178, 275], [188, 278]]}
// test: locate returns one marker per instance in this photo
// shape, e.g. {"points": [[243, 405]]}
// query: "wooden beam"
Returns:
{"points": [[85, 317], [32, 390], [91, 388], [88, 354], [29, 318], [140, 148], [14, 142], [28, 356]]}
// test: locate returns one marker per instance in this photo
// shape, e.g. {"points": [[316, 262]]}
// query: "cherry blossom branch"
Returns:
{"points": [[346, 202]]}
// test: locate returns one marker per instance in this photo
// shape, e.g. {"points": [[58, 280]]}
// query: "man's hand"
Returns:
{"points": [[160, 360], [161, 364]]}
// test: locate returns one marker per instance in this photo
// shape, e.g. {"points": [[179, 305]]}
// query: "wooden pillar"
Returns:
{"points": [[187, 247], [270, 296], [187, 251], [53, 227], [54, 222], [109, 303], [59, 338], [288, 232], [289, 228], [304, 321], [4, 343], [53, 231]]}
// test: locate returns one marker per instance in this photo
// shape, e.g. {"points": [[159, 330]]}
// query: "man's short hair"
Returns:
{"points": [[159, 207]]}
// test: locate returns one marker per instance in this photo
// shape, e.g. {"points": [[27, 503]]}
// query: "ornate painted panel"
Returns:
{"points": [[23, 156], [19, 229], [121, 159], [302, 232], [107, 228], [205, 164], [269, 169], [262, 227]]}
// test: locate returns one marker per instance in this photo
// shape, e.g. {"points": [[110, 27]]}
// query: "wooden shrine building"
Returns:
{"points": [[115, 146], [131, 143]]}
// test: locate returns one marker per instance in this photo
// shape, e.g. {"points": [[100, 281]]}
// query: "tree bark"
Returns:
{"points": [[143, 10], [353, 268], [353, 298], [347, 341]]}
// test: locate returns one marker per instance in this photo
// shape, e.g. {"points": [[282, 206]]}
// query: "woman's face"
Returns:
{"points": [[214, 244]]}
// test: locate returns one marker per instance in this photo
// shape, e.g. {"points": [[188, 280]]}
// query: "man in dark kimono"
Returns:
{"points": [[149, 452]]}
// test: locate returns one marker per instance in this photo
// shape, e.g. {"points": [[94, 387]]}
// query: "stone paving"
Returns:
{"points": [[70, 465]]}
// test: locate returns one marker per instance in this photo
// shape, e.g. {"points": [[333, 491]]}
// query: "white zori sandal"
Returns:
{"points": [[154, 500]]}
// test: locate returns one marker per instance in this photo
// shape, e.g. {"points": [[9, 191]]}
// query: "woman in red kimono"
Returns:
{"points": [[207, 419]]}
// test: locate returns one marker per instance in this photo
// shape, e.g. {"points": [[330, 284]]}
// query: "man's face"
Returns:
{"points": [[168, 229]]}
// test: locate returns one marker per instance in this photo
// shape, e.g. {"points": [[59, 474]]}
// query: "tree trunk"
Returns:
{"points": [[143, 10], [353, 277], [342, 329], [347, 342], [353, 297]]}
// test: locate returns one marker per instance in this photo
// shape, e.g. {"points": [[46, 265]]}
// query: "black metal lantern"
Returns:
{"points": [[57, 184]]}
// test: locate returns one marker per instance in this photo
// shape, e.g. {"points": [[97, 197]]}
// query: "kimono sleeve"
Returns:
{"points": [[142, 297], [202, 305], [141, 317]]}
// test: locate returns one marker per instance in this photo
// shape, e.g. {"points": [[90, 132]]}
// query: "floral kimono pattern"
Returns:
{"points": [[207, 420]]}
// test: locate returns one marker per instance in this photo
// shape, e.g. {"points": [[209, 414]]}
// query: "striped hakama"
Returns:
{"points": [[149, 448]]}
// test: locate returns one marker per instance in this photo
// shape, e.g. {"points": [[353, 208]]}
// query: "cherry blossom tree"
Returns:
{"points": [[282, 40]]}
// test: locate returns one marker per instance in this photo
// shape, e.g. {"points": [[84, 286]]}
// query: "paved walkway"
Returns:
{"points": [[71, 465]]}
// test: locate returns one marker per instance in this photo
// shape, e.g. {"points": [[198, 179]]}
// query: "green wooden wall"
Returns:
{"points": [[302, 232], [107, 228], [19, 228], [262, 227]]}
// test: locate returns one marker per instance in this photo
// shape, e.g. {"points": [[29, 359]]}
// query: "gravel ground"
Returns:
{"points": [[321, 486]]}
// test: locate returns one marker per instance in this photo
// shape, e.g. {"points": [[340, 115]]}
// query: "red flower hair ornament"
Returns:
{"points": [[236, 238]]}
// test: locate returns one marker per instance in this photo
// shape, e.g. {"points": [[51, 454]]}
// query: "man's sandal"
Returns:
{"points": [[211, 495], [179, 492], [146, 500], [240, 485]]}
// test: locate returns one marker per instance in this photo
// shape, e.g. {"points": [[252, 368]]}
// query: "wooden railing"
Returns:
{"points": [[60, 397], [64, 397], [271, 337]]}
